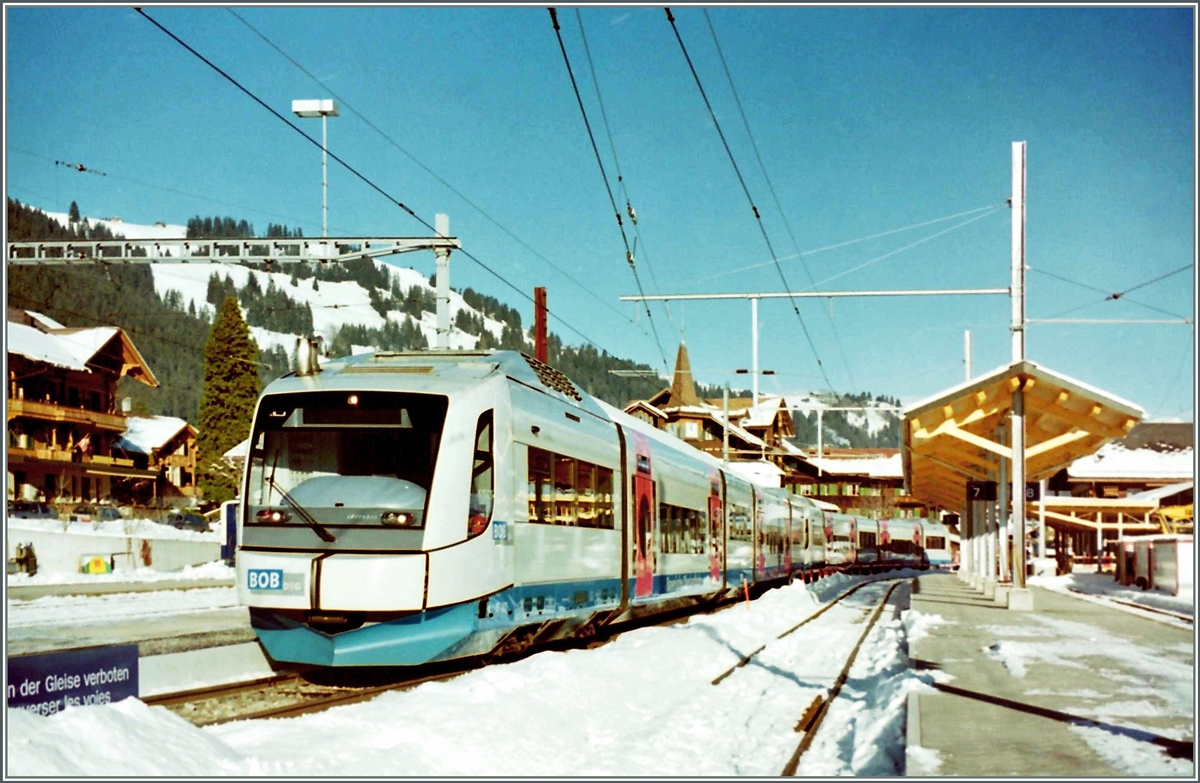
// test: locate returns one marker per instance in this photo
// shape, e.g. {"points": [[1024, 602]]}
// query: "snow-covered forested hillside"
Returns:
{"points": [[334, 305]]}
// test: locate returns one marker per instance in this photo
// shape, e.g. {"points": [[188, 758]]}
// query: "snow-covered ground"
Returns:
{"points": [[643, 705], [1087, 581], [122, 528], [201, 573]]}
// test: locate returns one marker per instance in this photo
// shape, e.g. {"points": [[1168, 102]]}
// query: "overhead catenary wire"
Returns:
{"points": [[604, 176], [617, 165], [758, 218], [358, 174], [1120, 294], [346, 105], [1107, 296], [166, 189], [775, 196], [909, 246], [814, 251]]}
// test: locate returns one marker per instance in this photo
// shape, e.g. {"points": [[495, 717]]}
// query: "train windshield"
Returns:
{"points": [[343, 459]]}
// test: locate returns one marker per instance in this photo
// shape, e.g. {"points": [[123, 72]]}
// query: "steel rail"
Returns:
{"points": [[177, 698], [747, 658], [811, 720]]}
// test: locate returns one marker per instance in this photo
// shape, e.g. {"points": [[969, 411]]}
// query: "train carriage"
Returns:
{"points": [[402, 508], [936, 545]]}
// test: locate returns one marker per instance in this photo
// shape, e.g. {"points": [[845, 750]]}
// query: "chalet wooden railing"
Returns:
{"points": [[16, 454], [52, 412]]}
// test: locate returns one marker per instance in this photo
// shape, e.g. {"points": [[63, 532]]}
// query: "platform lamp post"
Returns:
{"points": [[324, 108]]}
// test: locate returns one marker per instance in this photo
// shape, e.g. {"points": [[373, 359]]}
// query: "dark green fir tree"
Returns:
{"points": [[231, 386]]}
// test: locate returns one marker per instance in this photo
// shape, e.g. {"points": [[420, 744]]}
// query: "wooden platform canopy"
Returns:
{"points": [[955, 436]]}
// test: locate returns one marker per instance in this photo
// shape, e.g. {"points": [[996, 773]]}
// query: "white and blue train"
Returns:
{"points": [[404, 508]]}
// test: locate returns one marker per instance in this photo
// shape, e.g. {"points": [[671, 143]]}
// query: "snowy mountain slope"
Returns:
{"points": [[334, 304], [870, 420]]}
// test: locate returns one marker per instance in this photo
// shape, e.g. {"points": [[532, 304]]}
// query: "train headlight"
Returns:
{"points": [[276, 515], [396, 518]]}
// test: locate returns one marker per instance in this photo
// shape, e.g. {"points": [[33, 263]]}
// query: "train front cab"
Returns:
{"points": [[365, 529]]}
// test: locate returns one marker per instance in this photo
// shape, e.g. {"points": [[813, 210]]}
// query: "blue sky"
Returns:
{"points": [[868, 120]]}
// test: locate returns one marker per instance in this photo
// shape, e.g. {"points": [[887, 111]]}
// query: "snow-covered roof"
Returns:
{"points": [[764, 474], [982, 381], [875, 467], [764, 413], [1161, 492], [793, 449], [146, 434], [87, 341], [238, 452], [652, 410], [74, 348], [42, 347], [1113, 461], [45, 320]]}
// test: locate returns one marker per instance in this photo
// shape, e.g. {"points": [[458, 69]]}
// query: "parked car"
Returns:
{"points": [[185, 521], [30, 509], [86, 512]]}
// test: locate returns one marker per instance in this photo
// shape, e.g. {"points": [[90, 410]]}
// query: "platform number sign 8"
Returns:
{"points": [[1033, 491]]}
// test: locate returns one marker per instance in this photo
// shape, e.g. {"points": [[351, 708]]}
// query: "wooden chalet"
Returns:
{"points": [[166, 445], [62, 412]]}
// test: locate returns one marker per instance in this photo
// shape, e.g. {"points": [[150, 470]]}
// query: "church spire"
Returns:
{"points": [[683, 386]]}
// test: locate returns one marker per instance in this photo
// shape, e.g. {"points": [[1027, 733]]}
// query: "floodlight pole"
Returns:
{"points": [[324, 109], [1022, 599]]}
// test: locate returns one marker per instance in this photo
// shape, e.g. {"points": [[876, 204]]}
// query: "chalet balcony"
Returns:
{"points": [[17, 455], [46, 411]]}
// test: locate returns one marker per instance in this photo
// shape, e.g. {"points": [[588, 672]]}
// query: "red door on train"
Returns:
{"points": [[643, 536], [716, 530]]}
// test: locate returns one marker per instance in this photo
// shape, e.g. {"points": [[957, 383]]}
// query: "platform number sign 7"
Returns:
{"points": [[981, 490]]}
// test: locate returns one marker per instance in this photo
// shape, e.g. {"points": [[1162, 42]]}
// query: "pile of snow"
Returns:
{"points": [[1113, 460], [123, 528], [208, 572], [1091, 583]]}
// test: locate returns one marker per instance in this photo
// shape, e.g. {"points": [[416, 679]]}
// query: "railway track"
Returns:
{"points": [[289, 694], [810, 720]]}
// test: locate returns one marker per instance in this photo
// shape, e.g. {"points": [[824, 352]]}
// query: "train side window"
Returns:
{"points": [[564, 491], [567, 491], [541, 495], [480, 510], [585, 494], [604, 505]]}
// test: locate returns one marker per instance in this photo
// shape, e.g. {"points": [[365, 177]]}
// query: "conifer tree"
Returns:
{"points": [[73, 213], [231, 387]]}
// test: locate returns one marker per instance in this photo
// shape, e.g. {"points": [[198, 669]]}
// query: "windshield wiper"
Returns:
{"points": [[317, 527]]}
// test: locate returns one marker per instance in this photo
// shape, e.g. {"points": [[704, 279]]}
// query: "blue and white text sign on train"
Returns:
{"points": [[274, 581]]}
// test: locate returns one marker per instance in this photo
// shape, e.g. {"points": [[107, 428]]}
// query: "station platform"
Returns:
{"points": [[1069, 689]]}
